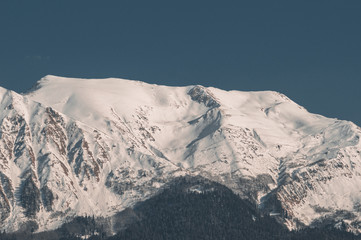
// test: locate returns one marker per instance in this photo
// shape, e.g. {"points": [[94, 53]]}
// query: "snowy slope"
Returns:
{"points": [[96, 146]]}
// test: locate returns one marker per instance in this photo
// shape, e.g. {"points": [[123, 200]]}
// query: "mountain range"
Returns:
{"points": [[96, 147]]}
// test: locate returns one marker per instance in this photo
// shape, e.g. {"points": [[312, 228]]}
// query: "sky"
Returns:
{"points": [[309, 50]]}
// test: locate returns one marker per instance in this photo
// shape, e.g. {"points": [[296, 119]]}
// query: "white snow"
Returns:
{"points": [[131, 128]]}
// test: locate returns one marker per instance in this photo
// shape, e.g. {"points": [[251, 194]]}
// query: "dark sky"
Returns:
{"points": [[309, 50]]}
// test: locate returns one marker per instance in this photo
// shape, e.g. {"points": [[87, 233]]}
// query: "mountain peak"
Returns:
{"points": [[202, 95]]}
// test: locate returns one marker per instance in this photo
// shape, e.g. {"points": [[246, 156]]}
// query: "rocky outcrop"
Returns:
{"points": [[4, 206], [202, 95]]}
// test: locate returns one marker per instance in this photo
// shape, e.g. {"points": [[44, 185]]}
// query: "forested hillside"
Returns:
{"points": [[188, 208]]}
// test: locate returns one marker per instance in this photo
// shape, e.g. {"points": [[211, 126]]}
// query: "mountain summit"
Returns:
{"points": [[75, 147]]}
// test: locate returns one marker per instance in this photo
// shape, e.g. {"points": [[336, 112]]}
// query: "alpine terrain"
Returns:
{"points": [[96, 147]]}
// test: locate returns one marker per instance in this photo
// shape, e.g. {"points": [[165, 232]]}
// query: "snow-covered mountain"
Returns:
{"points": [[75, 147]]}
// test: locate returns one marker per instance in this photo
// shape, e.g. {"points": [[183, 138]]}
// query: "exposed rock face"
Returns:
{"points": [[76, 147], [202, 95], [4, 206]]}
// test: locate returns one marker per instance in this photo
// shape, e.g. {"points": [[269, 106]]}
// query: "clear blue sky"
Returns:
{"points": [[309, 50]]}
